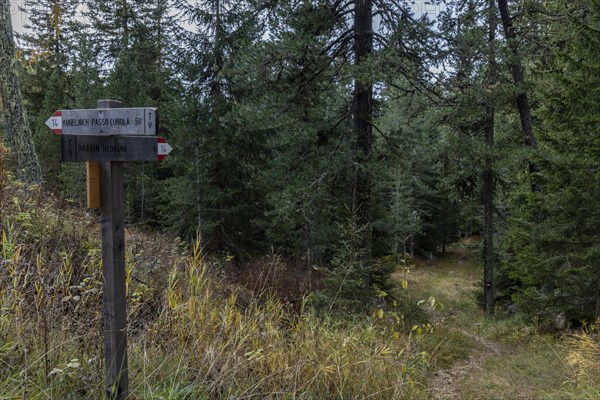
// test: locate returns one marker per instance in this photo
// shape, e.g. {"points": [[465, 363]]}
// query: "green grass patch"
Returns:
{"points": [[524, 364], [531, 370]]}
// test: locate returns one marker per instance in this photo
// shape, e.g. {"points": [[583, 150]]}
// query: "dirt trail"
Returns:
{"points": [[452, 280], [445, 383]]}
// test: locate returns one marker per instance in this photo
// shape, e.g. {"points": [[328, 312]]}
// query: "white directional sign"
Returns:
{"points": [[105, 121]]}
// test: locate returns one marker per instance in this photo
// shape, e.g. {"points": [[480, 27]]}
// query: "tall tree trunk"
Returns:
{"points": [[488, 220], [2, 168], [362, 110], [18, 132], [198, 192], [489, 256], [598, 298], [518, 74], [125, 24]]}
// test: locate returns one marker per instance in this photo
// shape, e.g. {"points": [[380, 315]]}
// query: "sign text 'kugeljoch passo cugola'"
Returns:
{"points": [[105, 121]]}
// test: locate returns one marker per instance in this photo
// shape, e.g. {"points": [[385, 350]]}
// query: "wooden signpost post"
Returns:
{"points": [[109, 136]]}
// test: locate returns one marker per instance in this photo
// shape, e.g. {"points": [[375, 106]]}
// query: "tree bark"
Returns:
{"points": [[2, 168], [598, 298], [488, 220], [489, 256], [18, 132], [362, 110], [518, 74]]}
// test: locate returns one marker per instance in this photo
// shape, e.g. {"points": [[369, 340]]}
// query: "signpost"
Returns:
{"points": [[108, 136]]}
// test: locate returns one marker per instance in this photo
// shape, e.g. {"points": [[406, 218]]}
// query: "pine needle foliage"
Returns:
{"points": [[552, 242]]}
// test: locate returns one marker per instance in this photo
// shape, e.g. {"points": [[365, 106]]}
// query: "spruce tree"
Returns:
{"points": [[479, 90], [49, 45], [221, 155], [489, 250], [553, 262], [304, 116]]}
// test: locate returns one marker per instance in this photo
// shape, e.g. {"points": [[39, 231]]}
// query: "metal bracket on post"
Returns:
{"points": [[93, 184], [113, 268]]}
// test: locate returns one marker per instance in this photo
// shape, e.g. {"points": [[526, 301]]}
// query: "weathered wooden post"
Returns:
{"points": [[111, 135], [114, 308]]}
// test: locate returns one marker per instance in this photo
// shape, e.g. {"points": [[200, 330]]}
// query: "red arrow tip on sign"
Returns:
{"points": [[163, 148], [55, 122]]}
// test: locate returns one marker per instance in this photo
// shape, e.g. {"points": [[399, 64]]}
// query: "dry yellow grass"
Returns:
{"points": [[583, 355], [189, 336]]}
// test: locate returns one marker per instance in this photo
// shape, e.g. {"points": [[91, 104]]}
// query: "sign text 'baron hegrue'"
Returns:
{"points": [[113, 148], [105, 148]]}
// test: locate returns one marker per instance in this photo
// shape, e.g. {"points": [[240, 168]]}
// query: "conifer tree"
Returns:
{"points": [[479, 91], [489, 251], [304, 115], [111, 24], [49, 42], [552, 263], [411, 213], [18, 132], [223, 201], [362, 126]]}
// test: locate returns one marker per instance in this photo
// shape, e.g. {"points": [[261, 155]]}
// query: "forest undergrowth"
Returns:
{"points": [[194, 333]]}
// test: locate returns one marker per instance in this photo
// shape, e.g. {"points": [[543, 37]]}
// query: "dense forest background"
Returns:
{"points": [[337, 132]]}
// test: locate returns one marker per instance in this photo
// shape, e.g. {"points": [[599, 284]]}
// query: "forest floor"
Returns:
{"points": [[477, 358]]}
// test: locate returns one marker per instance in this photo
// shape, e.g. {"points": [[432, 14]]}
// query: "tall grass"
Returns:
{"points": [[190, 336], [262, 351], [583, 355]]}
